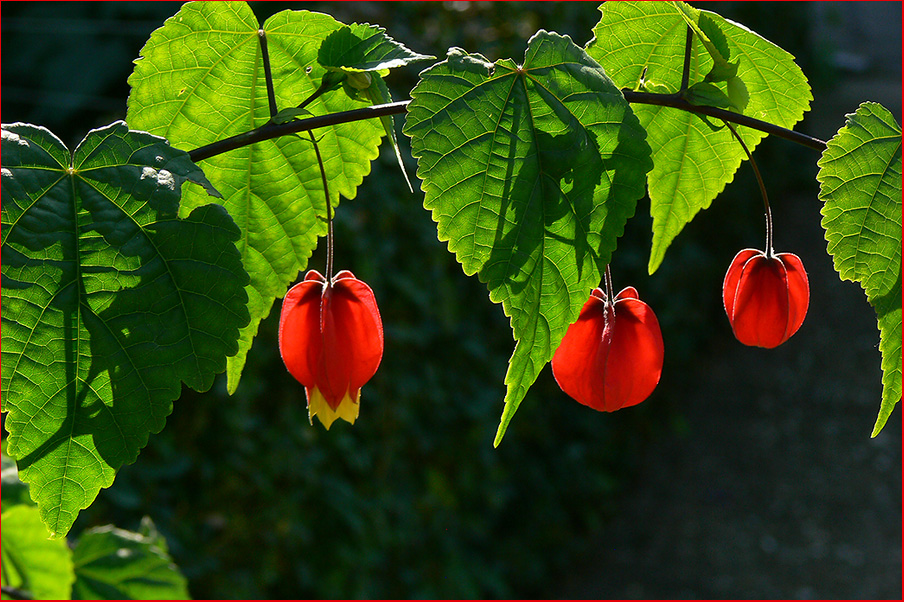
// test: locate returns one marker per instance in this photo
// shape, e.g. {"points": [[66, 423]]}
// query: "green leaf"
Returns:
{"points": [[860, 185], [32, 562], [201, 79], [692, 162], [110, 302], [114, 564], [364, 47], [713, 40], [530, 173]]}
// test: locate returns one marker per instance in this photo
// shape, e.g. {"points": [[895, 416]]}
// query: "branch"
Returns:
{"points": [[271, 130], [676, 102], [14, 593]]}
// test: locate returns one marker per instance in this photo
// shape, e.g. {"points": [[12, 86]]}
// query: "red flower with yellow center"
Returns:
{"points": [[331, 341]]}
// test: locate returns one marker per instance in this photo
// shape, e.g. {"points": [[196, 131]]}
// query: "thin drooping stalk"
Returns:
{"points": [[329, 213], [610, 292], [759, 180]]}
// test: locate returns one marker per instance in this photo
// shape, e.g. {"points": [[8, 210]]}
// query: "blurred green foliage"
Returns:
{"points": [[413, 501]]}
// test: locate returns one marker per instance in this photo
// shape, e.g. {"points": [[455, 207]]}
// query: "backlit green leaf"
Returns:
{"points": [[530, 172], [110, 303], [200, 78], [114, 564], [364, 47], [860, 185], [692, 161], [33, 563]]}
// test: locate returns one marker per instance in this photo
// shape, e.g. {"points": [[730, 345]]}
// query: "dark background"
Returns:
{"points": [[748, 473]]}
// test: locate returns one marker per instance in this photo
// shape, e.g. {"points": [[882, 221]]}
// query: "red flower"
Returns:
{"points": [[766, 298], [331, 340], [612, 356]]}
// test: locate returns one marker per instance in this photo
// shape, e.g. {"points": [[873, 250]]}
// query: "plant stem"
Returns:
{"points": [[686, 71], [610, 291], [268, 76], [759, 179], [676, 102], [270, 130], [329, 214], [14, 593]]}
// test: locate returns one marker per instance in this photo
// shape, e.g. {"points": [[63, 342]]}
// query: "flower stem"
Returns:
{"points": [[329, 213], [610, 291], [759, 179]]}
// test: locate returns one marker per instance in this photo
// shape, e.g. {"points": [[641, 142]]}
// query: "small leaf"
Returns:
{"points": [[110, 303], [114, 564], [32, 562], [860, 185], [713, 40], [530, 172], [363, 47]]}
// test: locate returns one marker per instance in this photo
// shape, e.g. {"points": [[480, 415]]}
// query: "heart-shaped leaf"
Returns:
{"points": [[110, 303]]}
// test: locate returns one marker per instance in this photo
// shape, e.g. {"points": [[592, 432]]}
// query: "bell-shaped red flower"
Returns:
{"points": [[331, 340], [766, 298], [612, 356]]}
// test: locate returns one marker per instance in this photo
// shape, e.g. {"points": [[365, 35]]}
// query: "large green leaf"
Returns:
{"points": [[110, 302], [200, 78], [860, 184], [31, 562], [113, 564], [530, 172], [641, 44]]}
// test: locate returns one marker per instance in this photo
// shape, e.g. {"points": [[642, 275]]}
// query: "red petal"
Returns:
{"points": [[299, 327], [574, 362], [733, 278], [629, 292], [798, 291], [352, 338], [635, 356]]}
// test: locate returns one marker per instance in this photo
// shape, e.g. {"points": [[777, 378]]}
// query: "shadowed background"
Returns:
{"points": [[748, 473]]}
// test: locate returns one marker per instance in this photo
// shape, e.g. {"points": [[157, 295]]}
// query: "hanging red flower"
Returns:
{"points": [[331, 341], [612, 356], [766, 298]]}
